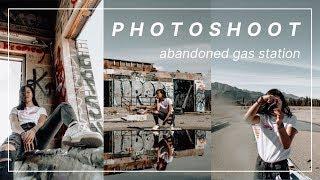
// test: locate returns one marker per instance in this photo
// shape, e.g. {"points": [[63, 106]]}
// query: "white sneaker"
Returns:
{"points": [[79, 135], [171, 129], [156, 127]]}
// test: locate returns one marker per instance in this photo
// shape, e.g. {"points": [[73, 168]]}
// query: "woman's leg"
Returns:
{"points": [[63, 114], [262, 166], [156, 118], [283, 166], [11, 148]]}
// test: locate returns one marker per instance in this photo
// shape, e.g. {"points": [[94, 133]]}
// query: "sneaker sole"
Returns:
{"points": [[90, 142]]}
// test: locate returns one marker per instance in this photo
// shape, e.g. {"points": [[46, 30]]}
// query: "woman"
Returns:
{"points": [[31, 129], [274, 129], [164, 150], [164, 109]]}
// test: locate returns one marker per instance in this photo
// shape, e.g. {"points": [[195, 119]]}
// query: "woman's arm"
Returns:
{"points": [[30, 134], [286, 134], [170, 111], [251, 114], [41, 122], [15, 125], [157, 105]]}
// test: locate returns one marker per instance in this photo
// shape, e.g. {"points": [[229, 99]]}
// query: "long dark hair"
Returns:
{"points": [[22, 103], [285, 108], [163, 92]]}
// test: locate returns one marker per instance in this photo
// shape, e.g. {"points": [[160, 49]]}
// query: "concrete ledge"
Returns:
{"points": [[74, 159]]}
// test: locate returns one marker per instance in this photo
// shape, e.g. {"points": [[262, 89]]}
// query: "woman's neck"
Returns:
{"points": [[29, 104]]}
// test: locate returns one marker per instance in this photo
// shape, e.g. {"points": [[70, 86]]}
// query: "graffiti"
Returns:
{"points": [[142, 141], [200, 96], [87, 85], [35, 82], [60, 78], [132, 141], [138, 92], [21, 48]]}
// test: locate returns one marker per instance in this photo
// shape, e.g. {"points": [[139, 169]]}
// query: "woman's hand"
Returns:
{"points": [[278, 111], [266, 99], [28, 138]]}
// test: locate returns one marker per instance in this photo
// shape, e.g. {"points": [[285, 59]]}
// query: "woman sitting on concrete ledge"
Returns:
{"points": [[32, 129]]}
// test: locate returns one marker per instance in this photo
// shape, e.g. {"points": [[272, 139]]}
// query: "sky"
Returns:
{"points": [[291, 76], [147, 47]]}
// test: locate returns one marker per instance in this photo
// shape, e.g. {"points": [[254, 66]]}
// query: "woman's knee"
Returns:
{"points": [[64, 105], [7, 147], [7, 150]]}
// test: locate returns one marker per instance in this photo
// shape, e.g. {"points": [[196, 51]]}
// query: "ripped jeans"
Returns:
{"points": [[63, 114]]}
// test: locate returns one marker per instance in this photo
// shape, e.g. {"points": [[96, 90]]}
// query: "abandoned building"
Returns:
{"points": [[130, 83], [45, 45]]}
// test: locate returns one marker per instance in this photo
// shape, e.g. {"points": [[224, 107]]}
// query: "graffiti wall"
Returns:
{"points": [[138, 91], [37, 71], [86, 93], [39, 75], [141, 141], [200, 96]]}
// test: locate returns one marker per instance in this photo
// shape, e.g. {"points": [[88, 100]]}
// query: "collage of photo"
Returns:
{"points": [[88, 94]]}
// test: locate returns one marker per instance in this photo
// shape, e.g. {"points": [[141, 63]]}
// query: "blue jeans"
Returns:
{"points": [[63, 114]]}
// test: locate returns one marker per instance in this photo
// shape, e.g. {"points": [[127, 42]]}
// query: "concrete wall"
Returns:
{"points": [[139, 90], [143, 89], [77, 81]]}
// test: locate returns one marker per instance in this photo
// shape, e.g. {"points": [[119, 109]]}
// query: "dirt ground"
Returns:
{"points": [[113, 120]]}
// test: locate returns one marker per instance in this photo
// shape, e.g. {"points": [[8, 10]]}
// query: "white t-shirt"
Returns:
{"points": [[29, 114], [268, 140], [164, 105], [165, 155]]}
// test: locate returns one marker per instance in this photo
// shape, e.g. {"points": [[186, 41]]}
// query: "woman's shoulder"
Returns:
{"points": [[168, 100], [14, 110], [42, 110]]}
